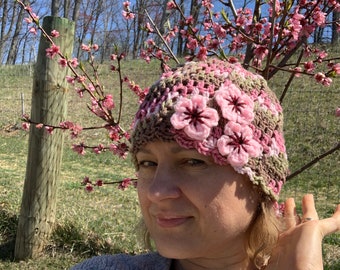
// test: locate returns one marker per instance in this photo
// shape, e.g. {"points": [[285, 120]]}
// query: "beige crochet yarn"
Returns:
{"points": [[223, 111]]}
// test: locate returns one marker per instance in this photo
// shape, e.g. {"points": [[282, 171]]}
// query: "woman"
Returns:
{"points": [[211, 161]]}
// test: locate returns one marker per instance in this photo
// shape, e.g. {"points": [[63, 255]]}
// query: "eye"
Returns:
{"points": [[146, 164], [195, 162]]}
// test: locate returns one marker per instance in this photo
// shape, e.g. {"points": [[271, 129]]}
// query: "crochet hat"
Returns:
{"points": [[223, 111]]}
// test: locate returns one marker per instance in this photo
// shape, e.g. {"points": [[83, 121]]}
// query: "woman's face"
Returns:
{"points": [[192, 207]]}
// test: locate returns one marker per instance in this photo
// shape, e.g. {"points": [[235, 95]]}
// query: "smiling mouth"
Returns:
{"points": [[172, 222]]}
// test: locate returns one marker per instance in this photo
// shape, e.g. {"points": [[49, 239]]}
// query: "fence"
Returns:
{"points": [[311, 128], [15, 97]]}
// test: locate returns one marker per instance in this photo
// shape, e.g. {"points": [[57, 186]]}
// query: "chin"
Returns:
{"points": [[174, 251]]}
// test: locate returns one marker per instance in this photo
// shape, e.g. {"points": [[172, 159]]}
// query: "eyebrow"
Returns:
{"points": [[175, 150], [178, 149]]}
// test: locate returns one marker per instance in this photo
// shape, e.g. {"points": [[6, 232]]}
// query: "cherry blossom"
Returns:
{"points": [[74, 62], [125, 183], [89, 188], [70, 79], [54, 33], [337, 112], [148, 28], [86, 181], [128, 15], [28, 20], [336, 68], [49, 129], [171, 5], [321, 78], [202, 53], [25, 126], [85, 47], [108, 102], [52, 51], [79, 148], [309, 66], [126, 4], [33, 30], [98, 149], [119, 149], [62, 62], [66, 125], [99, 183], [75, 130], [319, 17]]}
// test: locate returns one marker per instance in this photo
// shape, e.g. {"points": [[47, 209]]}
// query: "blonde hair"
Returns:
{"points": [[263, 234]]}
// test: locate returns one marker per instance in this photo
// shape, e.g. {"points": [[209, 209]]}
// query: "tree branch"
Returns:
{"points": [[161, 37], [312, 162]]}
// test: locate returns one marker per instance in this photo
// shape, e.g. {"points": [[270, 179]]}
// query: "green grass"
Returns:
{"points": [[105, 221]]}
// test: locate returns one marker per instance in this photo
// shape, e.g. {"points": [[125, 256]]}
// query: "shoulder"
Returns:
{"points": [[149, 261]]}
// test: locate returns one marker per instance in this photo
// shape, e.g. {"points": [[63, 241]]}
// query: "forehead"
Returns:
{"points": [[170, 146]]}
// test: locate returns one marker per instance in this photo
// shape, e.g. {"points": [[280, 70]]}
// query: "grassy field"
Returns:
{"points": [[105, 221]]}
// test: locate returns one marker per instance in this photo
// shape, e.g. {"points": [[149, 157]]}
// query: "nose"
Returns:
{"points": [[164, 184]]}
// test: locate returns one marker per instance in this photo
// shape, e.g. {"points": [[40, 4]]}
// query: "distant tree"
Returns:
{"points": [[180, 42], [4, 31], [107, 38], [76, 8], [55, 4], [336, 28], [18, 14], [140, 7], [90, 12]]}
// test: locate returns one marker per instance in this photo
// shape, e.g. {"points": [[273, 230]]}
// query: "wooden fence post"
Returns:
{"points": [[49, 106]]}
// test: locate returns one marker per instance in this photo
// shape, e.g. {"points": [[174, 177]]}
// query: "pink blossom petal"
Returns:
{"points": [[238, 144], [235, 105], [194, 117]]}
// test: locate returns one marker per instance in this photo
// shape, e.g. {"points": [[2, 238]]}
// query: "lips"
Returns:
{"points": [[171, 221]]}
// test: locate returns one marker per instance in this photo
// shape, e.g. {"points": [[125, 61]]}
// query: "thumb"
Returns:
{"points": [[332, 224]]}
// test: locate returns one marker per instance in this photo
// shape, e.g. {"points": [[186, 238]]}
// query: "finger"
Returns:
{"points": [[332, 224], [308, 208], [290, 216]]}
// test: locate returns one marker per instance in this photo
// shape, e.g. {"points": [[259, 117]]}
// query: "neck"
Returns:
{"points": [[212, 264]]}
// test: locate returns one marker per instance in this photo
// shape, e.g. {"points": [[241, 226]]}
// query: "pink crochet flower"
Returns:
{"points": [[194, 117], [238, 144], [235, 105], [279, 141], [275, 186]]}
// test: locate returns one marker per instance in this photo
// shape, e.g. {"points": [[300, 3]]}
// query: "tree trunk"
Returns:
{"points": [[13, 52], [38, 206], [195, 7], [55, 8], [66, 9], [75, 14], [335, 33], [4, 19], [164, 18], [180, 41], [140, 10]]}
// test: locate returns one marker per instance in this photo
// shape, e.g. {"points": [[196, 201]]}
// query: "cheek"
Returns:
{"points": [[230, 207], [142, 191]]}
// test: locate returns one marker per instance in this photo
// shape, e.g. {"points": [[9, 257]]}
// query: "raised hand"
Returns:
{"points": [[300, 246]]}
